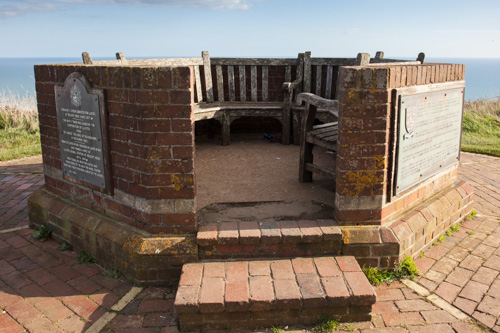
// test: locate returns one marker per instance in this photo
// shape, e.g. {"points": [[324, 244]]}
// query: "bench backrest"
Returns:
{"points": [[242, 79]]}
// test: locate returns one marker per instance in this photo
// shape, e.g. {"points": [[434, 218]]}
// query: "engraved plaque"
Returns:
{"points": [[429, 132], [80, 132]]}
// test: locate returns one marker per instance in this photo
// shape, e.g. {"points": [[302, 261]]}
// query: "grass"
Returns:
{"points": [[481, 127], [406, 269], [19, 130], [326, 324]]}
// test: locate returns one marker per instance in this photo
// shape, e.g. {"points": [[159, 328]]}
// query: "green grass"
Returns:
{"points": [[406, 269], [19, 130], [481, 127], [326, 324]]}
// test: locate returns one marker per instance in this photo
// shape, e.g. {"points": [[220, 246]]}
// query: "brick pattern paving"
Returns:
{"points": [[17, 182], [464, 268]]}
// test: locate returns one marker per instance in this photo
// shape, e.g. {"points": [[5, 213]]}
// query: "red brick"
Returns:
{"points": [[212, 295], [64, 273], [16, 280], [438, 316], [23, 312], [81, 305], [17, 241], [336, 291], [249, 233], [159, 319], [270, 232], [326, 267], [474, 291], [7, 324], [237, 297], [303, 266], [236, 271], [290, 231], [33, 291], [186, 299], [330, 229], [213, 270], [155, 305], [261, 293], [362, 291], [310, 288], [448, 291], [407, 318], [53, 309], [287, 294], [384, 307], [348, 264], [282, 270], [191, 275], [465, 305], [228, 233], [259, 268], [310, 231], [84, 285]]}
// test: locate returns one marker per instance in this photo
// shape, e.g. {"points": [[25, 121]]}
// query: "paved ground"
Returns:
{"points": [[43, 289]]}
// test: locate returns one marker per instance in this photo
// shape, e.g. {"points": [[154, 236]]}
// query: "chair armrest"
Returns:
{"points": [[289, 86], [320, 102]]}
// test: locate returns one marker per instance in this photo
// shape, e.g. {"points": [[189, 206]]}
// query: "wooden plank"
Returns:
{"points": [[319, 170], [197, 77], [207, 69], [288, 73], [299, 73], [319, 72], [307, 72], [243, 84], [253, 73], [230, 77], [363, 59], [121, 57], [220, 83], [329, 81], [254, 61], [265, 83], [174, 62]]}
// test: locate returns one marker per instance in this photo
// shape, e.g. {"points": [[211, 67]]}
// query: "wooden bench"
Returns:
{"points": [[231, 88], [319, 76], [324, 135]]}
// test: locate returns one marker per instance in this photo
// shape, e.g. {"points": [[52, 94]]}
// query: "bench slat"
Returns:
{"points": [[199, 94], [265, 80], [288, 73], [208, 77], [230, 76], [319, 72], [254, 61], [329, 79], [243, 84], [220, 83], [307, 72], [253, 73]]}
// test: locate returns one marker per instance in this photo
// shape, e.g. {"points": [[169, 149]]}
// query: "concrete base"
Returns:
{"points": [[140, 256]]}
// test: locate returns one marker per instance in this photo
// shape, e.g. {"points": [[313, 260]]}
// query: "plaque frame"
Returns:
{"points": [[103, 115], [397, 94]]}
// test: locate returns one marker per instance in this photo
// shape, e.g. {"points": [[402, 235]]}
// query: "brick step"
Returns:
{"points": [[251, 239], [261, 293]]}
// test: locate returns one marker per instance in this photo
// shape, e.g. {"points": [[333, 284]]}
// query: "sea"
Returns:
{"points": [[482, 75]]}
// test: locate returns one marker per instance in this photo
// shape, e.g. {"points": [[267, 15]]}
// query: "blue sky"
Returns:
{"points": [[166, 28]]}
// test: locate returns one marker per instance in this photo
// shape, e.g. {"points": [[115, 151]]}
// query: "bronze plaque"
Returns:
{"points": [[429, 132], [80, 133]]}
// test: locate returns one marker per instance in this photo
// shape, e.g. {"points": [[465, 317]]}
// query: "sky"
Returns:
{"points": [[260, 28]]}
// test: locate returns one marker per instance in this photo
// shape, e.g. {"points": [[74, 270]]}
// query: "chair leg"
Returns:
{"points": [[306, 156], [285, 127], [297, 121], [226, 129]]}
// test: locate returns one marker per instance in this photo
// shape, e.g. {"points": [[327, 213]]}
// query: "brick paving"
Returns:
{"points": [[45, 290]]}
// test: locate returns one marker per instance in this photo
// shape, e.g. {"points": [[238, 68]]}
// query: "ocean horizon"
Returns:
{"points": [[482, 75]]}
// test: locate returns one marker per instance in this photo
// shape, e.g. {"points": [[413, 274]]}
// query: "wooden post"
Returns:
{"points": [[421, 57], [207, 69], [363, 59], [86, 58], [379, 55], [120, 56]]}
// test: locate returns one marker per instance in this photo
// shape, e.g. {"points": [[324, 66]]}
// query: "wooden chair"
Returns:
{"points": [[324, 135]]}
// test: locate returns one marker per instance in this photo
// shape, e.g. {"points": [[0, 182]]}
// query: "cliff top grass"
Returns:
{"points": [[19, 130]]}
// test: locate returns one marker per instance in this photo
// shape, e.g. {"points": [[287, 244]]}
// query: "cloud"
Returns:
{"points": [[23, 7]]}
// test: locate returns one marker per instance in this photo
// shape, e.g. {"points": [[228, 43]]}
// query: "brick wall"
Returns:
{"points": [[364, 144], [151, 144]]}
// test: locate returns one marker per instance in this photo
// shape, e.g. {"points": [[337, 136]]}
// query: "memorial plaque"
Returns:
{"points": [[429, 133], [81, 139]]}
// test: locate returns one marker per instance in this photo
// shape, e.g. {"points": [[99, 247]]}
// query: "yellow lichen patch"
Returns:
{"points": [[380, 162], [346, 236], [176, 182], [369, 176]]}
